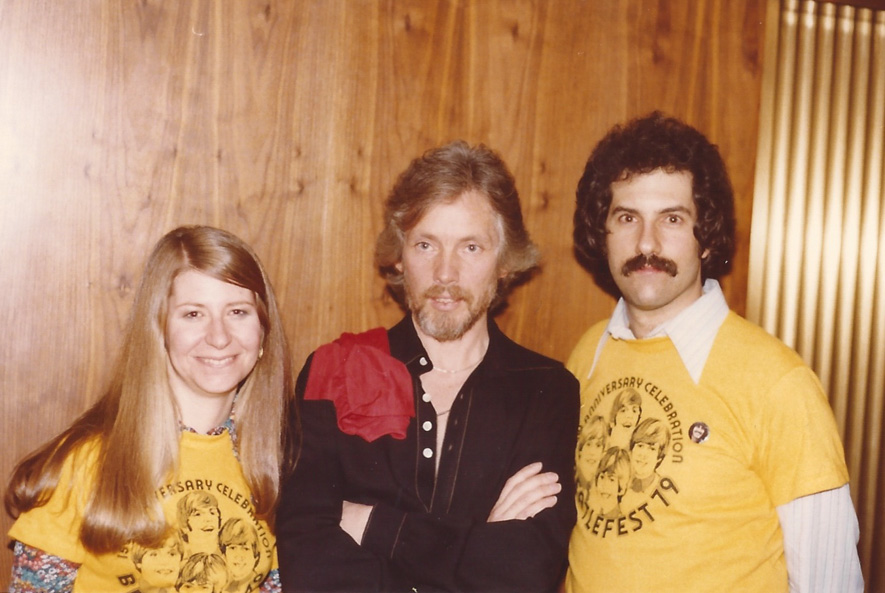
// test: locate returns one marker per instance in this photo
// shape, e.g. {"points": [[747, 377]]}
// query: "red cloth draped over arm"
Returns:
{"points": [[371, 390]]}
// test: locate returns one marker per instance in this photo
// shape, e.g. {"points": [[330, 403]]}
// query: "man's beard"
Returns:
{"points": [[445, 326]]}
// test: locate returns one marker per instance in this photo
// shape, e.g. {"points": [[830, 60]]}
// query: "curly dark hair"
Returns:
{"points": [[643, 145]]}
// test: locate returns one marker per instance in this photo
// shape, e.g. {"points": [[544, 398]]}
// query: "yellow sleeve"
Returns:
{"points": [[802, 454], [55, 526]]}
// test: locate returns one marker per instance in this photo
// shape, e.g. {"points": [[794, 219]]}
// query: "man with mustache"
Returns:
{"points": [[438, 454], [752, 493]]}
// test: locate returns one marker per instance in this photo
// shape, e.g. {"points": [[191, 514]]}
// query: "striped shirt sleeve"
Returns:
{"points": [[820, 543], [35, 571]]}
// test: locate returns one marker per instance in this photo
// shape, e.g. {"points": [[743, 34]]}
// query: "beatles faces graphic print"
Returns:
{"points": [[215, 545], [629, 435]]}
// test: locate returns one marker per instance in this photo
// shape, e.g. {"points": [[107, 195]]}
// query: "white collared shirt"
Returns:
{"points": [[692, 331]]}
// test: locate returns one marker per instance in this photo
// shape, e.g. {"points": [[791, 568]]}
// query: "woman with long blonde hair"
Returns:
{"points": [[199, 405]]}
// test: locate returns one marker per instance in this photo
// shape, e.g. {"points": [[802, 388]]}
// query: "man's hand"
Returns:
{"points": [[354, 518], [526, 493]]}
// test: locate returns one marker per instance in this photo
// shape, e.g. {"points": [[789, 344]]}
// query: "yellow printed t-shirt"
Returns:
{"points": [[217, 537], [682, 494]]}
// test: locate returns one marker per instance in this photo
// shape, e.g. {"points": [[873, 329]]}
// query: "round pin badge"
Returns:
{"points": [[699, 432]]}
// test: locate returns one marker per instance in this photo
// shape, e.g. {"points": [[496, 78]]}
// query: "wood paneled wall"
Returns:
{"points": [[286, 122]]}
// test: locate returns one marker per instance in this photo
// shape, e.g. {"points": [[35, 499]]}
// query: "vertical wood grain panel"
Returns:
{"points": [[286, 123]]}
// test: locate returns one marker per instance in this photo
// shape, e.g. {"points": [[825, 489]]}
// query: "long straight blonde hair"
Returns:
{"points": [[135, 423]]}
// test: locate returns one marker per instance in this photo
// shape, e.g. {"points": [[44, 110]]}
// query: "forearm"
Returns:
{"points": [[458, 549], [327, 560], [34, 570], [271, 584], [450, 553], [314, 553], [820, 543]]}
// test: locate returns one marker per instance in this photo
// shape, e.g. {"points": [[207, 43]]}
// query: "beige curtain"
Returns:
{"points": [[817, 243]]}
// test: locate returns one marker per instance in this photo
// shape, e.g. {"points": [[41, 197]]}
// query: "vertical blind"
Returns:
{"points": [[817, 242]]}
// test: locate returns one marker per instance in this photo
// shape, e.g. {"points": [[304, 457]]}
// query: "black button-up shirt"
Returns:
{"points": [[428, 530]]}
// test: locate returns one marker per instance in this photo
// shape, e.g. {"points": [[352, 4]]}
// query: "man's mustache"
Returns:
{"points": [[452, 291], [652, 261]]}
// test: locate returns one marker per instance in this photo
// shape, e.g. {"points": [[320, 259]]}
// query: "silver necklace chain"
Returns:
{"points": [[455, 372]]}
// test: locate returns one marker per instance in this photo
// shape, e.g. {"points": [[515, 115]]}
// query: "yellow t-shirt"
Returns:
{"points": [[682, 495], [218, 541]]}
